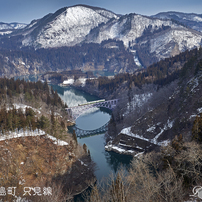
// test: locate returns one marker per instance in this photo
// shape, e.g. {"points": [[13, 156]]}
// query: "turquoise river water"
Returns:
{"points": [[107, 162]]}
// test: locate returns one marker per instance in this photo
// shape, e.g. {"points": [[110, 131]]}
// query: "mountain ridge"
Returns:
{"points": [[78, 20], [148, 38], [192, 20], [68, 29]]}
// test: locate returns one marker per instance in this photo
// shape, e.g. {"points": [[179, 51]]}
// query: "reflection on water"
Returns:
{"points": [[96, 146], [107, 162], [116, 161], [73, 97], [92, 121]]}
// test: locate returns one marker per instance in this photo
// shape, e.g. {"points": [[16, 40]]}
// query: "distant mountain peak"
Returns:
{"points": [[12, 26], [192, 20], [88, 6], [67, 26], [151, 38]]}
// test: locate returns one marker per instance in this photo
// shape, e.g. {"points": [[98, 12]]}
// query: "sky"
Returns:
{"points": [[24, 11]]}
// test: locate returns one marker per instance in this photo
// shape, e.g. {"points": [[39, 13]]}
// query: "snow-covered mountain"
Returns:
{"points": [[13, 25], [160, 38], [67, 27], [191, 20], [127, 28], [168, 43], [150, 39], [157, 37], [8, 28]]}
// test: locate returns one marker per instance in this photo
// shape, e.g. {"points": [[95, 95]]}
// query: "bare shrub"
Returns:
{"points": [[56, 196]]}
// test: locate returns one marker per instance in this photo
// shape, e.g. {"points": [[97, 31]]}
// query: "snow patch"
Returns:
{"points": [[82, 163], [127, 131], [151, 129], [169, 124], [154, 140], [35, 133], [12, 26], [139, 154], [82, 81], [193, 83], [68, 82], [164, 143], [137, 62], [199, 110], [57, 141], [115, 148], [192, 116], [5, 32], [23, 107], [197, 19], [21, 133]]}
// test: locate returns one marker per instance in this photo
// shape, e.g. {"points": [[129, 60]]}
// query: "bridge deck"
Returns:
{"points": [[76, 111]]}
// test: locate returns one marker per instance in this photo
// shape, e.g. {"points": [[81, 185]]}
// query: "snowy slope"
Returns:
{"points": [[128, 28], [173, 42], [149, 38], [70, 26], [27, 133], [191, 20], [12, 25], [160, 38]]}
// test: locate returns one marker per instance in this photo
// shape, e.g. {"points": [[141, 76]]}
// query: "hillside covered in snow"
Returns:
{"points": [[148, 39]]}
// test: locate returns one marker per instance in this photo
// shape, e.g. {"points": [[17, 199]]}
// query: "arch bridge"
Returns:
{"points": [[76, 111], [85, 133]]}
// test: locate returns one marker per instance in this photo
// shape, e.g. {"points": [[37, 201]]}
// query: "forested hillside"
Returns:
{"points": [[172, 174], [159, 74], [32, 91], [159, 122], [153, 114], [108, 56], [36, 149]]}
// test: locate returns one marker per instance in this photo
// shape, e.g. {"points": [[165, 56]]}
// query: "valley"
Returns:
{"points": [[151, 65], [97, 39]]}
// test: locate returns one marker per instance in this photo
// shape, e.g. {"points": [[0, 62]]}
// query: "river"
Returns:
{"points": [[107, 162]]}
